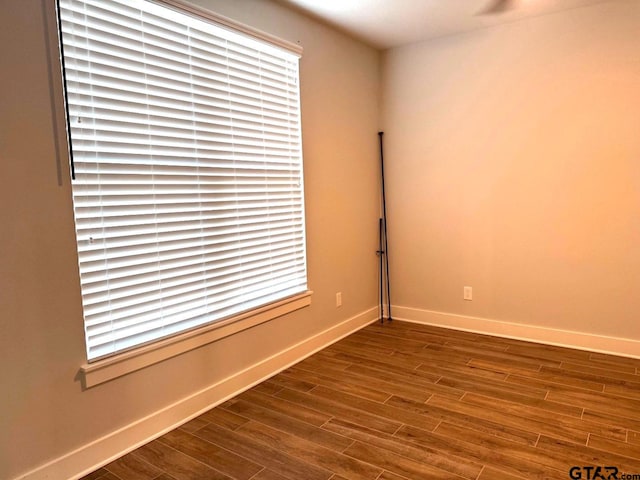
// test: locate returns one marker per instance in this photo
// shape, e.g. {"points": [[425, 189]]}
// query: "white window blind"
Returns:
{"points": [[188, 196]]}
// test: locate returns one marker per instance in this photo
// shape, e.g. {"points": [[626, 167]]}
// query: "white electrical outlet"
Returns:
{"points": [[468, 293], [339, 299]]}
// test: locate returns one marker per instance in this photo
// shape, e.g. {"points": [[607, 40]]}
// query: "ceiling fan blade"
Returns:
{"points": [[497, 6]]}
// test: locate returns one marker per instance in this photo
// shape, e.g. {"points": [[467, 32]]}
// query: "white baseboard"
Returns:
{"points": [[518, 331], [100, 452]]}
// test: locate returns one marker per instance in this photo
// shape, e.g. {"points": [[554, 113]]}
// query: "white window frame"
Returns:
{"points": [[108, 368], [121, 364]]}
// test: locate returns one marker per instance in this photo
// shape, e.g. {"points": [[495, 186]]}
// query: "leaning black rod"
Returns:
{"points": [[384, 217], [380, 252], [64, 89]]}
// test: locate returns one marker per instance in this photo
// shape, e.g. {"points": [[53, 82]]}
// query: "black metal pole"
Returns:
{"points": [[384, 221], [380, 253], [72, 164]]}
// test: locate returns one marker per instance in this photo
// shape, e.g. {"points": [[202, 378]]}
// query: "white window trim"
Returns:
{"points": [[121, 364]]}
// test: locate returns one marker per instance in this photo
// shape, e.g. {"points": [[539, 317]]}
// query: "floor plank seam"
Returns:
{"points": [[257, 473]]}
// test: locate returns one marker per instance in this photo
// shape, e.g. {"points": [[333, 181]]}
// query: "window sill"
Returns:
{"points": [[102, 371]]}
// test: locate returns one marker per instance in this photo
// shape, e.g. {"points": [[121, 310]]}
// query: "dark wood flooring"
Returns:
{"points": [[406, 401]]}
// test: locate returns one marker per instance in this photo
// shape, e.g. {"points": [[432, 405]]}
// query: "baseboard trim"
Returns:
{"points": [[102, 451], [518, 331]]}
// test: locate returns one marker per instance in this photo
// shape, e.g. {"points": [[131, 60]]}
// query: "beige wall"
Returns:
{"points": [[43, 411], [514, 167]]}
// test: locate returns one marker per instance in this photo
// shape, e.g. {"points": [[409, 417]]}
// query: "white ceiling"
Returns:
{"points": [[390, 23]]}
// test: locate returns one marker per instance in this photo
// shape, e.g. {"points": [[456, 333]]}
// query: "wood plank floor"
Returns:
{"points": [[405, 401]]}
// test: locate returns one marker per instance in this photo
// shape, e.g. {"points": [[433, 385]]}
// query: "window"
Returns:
{"points": [[186, 154]]}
